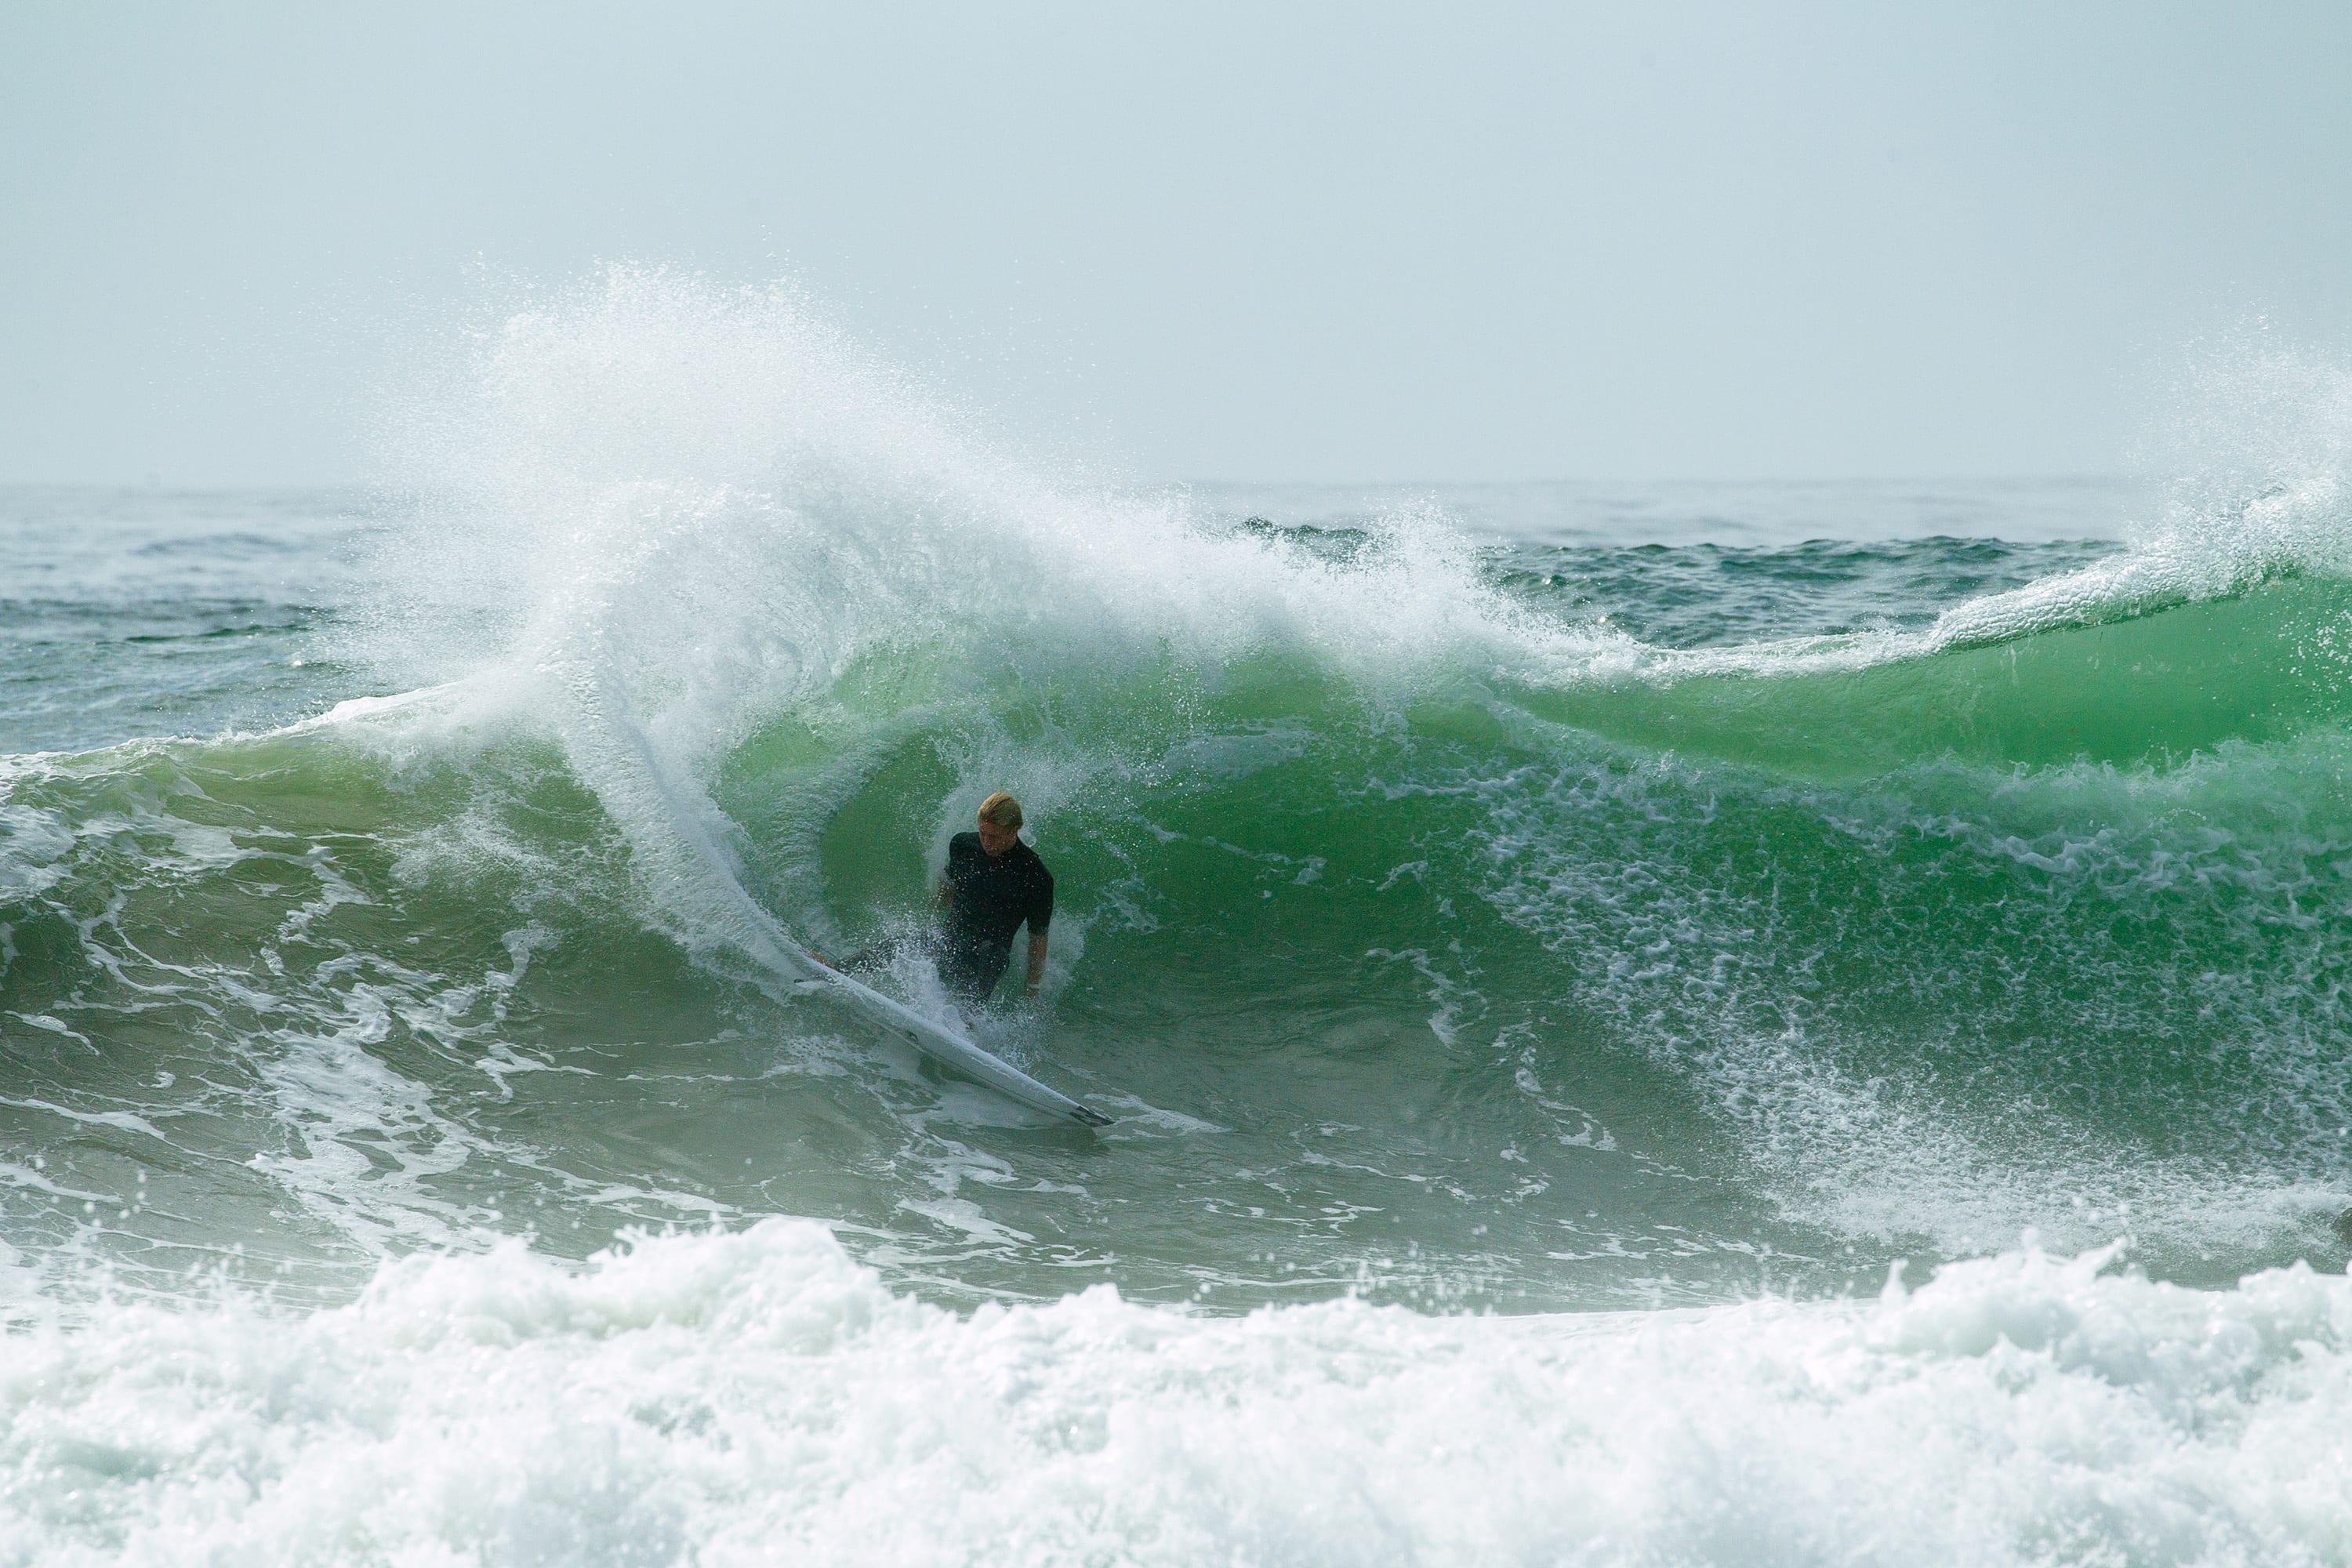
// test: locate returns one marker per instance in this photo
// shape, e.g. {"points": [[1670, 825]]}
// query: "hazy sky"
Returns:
{"points": [[1198, 241]]}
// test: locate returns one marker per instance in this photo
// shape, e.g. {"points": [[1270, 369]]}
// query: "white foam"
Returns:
{"points": [[758, 1397]]}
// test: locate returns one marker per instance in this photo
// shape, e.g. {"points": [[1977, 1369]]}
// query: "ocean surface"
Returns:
{"points": [[1648, 1024]]}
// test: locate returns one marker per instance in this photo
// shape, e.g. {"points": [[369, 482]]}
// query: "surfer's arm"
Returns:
{"points": [[1040, 915]]}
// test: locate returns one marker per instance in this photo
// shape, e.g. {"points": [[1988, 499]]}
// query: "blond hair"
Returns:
{"points": [[1001, 810]]}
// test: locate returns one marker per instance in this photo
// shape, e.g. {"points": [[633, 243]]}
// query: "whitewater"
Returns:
{"points": [[1653, 1025]]}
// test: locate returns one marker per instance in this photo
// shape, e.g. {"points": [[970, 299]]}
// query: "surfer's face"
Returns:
{"points": [[997, 840]]}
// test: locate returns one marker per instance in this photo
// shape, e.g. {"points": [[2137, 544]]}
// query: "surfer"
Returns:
{"points": [[993, 885]]}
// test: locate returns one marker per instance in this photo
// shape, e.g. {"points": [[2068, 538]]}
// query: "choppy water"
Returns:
{"points": [[1621, 1001]]}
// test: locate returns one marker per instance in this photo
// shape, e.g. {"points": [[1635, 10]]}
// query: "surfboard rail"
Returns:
{"points": [[944, 1044]]}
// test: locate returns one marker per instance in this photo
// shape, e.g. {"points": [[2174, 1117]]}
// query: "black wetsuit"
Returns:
{"points": [[989, 897]]}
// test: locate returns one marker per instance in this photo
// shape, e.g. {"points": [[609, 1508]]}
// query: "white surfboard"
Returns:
{"points": [[945, 1045]]}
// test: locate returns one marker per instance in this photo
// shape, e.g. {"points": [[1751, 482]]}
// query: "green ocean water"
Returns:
{"points": [[1553, 953], [1779, 954]]}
